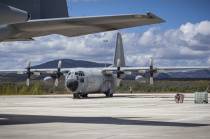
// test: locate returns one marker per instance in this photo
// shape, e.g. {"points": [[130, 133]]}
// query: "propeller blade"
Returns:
{"points": [[27, 82], [58, 74], [28, 73], [151, 71], [151, 61], [56, 82], [119, 72], [151, 80], [59, 64], [118, 62], [29, 64], [118, 81]]}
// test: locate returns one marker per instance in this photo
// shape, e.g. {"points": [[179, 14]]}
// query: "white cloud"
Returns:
{"points": [[188, 45]]}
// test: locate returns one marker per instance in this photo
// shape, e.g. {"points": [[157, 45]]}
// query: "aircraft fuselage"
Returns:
{"points": [[87, 81]]}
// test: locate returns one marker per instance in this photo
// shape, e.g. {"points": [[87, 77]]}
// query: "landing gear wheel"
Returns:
{"points": [[76, 96], [79, 96], [109, 93], [84, 95]]}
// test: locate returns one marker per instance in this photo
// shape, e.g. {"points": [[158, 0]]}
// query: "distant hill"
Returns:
{"points": [[197, 74], [70, 63]]}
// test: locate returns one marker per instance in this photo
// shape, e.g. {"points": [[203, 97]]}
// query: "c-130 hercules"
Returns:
{"points": [[21, 20]]}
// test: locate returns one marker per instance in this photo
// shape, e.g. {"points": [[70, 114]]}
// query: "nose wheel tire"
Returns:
{"points": [[79, 96], [76, 96]]}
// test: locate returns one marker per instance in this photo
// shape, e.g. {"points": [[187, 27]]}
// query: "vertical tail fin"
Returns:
{"points": [[119, 59]]}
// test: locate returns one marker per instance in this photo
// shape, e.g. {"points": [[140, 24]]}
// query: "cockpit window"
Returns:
{"points": [[80, 73]]}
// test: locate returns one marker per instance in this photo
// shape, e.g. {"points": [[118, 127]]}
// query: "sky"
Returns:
{"points": [[183, 40]]}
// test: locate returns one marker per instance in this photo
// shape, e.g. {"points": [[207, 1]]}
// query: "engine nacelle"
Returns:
{"points": [[12, 15], [139, 77], [48, 80]]}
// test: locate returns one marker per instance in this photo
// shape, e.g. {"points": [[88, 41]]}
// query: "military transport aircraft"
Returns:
{"points": [[84, 81], [21, 20]]}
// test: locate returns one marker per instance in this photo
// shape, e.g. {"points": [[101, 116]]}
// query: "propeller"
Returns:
{"points": [[119, 72], [28, 73], [58, 73], [152, 70]]}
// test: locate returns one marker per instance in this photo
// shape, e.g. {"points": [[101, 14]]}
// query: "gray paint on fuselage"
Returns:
{"points": [[94, 80]]}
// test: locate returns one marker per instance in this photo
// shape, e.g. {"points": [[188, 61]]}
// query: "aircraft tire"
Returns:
{"points": [[109, 93], [84, 95], [76, 96], [79, 96]]}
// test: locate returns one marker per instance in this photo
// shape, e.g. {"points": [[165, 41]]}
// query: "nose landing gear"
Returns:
{"points": [[79, 95]]}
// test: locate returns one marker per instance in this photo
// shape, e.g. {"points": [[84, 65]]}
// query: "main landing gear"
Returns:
{"points": [[109, 93]]}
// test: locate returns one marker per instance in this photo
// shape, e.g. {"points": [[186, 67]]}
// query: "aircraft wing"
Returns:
{"points": [[13, 71], [125, 69], [70, 26], [144, 69], [182, 68], [35, 71], [108, 69]]}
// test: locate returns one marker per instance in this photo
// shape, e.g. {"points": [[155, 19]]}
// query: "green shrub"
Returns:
{"points": [[164, 86], [21, 89], [38, 88]]}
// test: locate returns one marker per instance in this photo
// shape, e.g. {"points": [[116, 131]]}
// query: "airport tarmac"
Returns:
{"points": [[148, 116]]}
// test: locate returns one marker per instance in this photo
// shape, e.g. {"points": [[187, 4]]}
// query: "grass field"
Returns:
{"points": [[165, 86], [38, 88]]}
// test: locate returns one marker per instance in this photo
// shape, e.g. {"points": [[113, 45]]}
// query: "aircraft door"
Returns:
{"points": [[82, 84], [82, 81]]}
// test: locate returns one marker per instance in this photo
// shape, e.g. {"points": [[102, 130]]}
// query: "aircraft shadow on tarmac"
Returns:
{"points": [[12, 119], [96, 97], [104, 97], [120, 96]]}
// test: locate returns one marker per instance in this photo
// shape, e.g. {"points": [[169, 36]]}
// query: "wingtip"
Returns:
{"points": [[152, 15]]}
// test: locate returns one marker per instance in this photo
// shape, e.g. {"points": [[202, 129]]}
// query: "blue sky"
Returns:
{"points": [[175, 12]]}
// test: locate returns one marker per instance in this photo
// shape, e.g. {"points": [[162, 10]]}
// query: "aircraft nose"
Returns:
{"points": [[72, 85]]}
